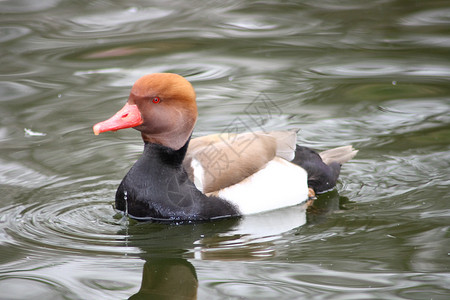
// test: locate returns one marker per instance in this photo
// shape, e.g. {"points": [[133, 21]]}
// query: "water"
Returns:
{"points": [[374, 74]]}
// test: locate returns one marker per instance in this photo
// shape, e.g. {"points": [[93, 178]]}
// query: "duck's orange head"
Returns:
{"points": [[161, 106]]}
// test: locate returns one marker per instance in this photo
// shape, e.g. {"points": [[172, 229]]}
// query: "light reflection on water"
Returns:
{"points": [[370, 73]]}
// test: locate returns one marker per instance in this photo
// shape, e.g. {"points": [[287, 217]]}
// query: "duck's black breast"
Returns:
{"points": [[157, 187]]}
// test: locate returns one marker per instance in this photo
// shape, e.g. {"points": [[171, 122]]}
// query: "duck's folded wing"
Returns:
{"points": [[285, 142], [218, 161]]}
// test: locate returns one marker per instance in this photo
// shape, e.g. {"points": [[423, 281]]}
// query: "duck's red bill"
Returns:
{"points": [[129, 116]]}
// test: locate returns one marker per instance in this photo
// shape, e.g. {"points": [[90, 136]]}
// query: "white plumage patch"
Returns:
{"points": [[199, 174], [278, 184]]}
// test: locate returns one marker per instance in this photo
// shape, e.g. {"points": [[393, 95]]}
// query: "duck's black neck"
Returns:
{"points": [[165, 155]]}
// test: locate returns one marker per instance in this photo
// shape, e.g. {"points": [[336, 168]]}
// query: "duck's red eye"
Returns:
{"points": [[156, 100]]}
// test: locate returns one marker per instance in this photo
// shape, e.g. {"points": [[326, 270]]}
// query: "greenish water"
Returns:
{"points": [[375, 74]]}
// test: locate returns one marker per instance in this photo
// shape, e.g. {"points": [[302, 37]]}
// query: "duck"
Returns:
{"points": [[224, 175]]}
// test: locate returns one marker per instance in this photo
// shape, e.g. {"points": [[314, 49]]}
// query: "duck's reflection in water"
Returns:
{"points": [[168, 278], [167, 273]]}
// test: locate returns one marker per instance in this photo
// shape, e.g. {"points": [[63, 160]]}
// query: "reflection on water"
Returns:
{"points": [[369, 73], [169, 275], [168, 278]]}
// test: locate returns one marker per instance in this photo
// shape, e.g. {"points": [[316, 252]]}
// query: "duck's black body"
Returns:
{"points": [[158, 188]]}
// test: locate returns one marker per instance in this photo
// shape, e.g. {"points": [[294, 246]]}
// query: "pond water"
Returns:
{"points": [[375, 74]]}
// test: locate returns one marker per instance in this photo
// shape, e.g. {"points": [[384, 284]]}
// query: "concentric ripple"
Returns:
{"points": [[77, 222]]}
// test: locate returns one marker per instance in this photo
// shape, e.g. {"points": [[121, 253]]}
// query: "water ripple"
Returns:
{"points": [[13, 90], [428, 18], [8, 33], [113, 20], [315, 280], [381, 68], [26, 6], [76, 223], [193, 72]]}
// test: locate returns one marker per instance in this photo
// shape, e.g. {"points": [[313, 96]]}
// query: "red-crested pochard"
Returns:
{"points": [[215, 176]]}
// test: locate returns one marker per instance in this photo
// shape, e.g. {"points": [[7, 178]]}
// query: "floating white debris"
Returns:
{"points": [[29, 132]]}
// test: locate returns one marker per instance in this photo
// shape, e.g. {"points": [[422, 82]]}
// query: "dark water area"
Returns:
{"points": [[374, 74]]}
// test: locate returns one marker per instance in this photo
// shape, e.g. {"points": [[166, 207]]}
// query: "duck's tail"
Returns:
{"points": [[340, 155]]}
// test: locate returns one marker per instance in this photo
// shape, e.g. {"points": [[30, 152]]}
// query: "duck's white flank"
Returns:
{"points": [[199, 174], [279, 184]]}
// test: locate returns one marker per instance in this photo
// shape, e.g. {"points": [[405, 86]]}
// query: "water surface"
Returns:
{"points": [[374, 74]]}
